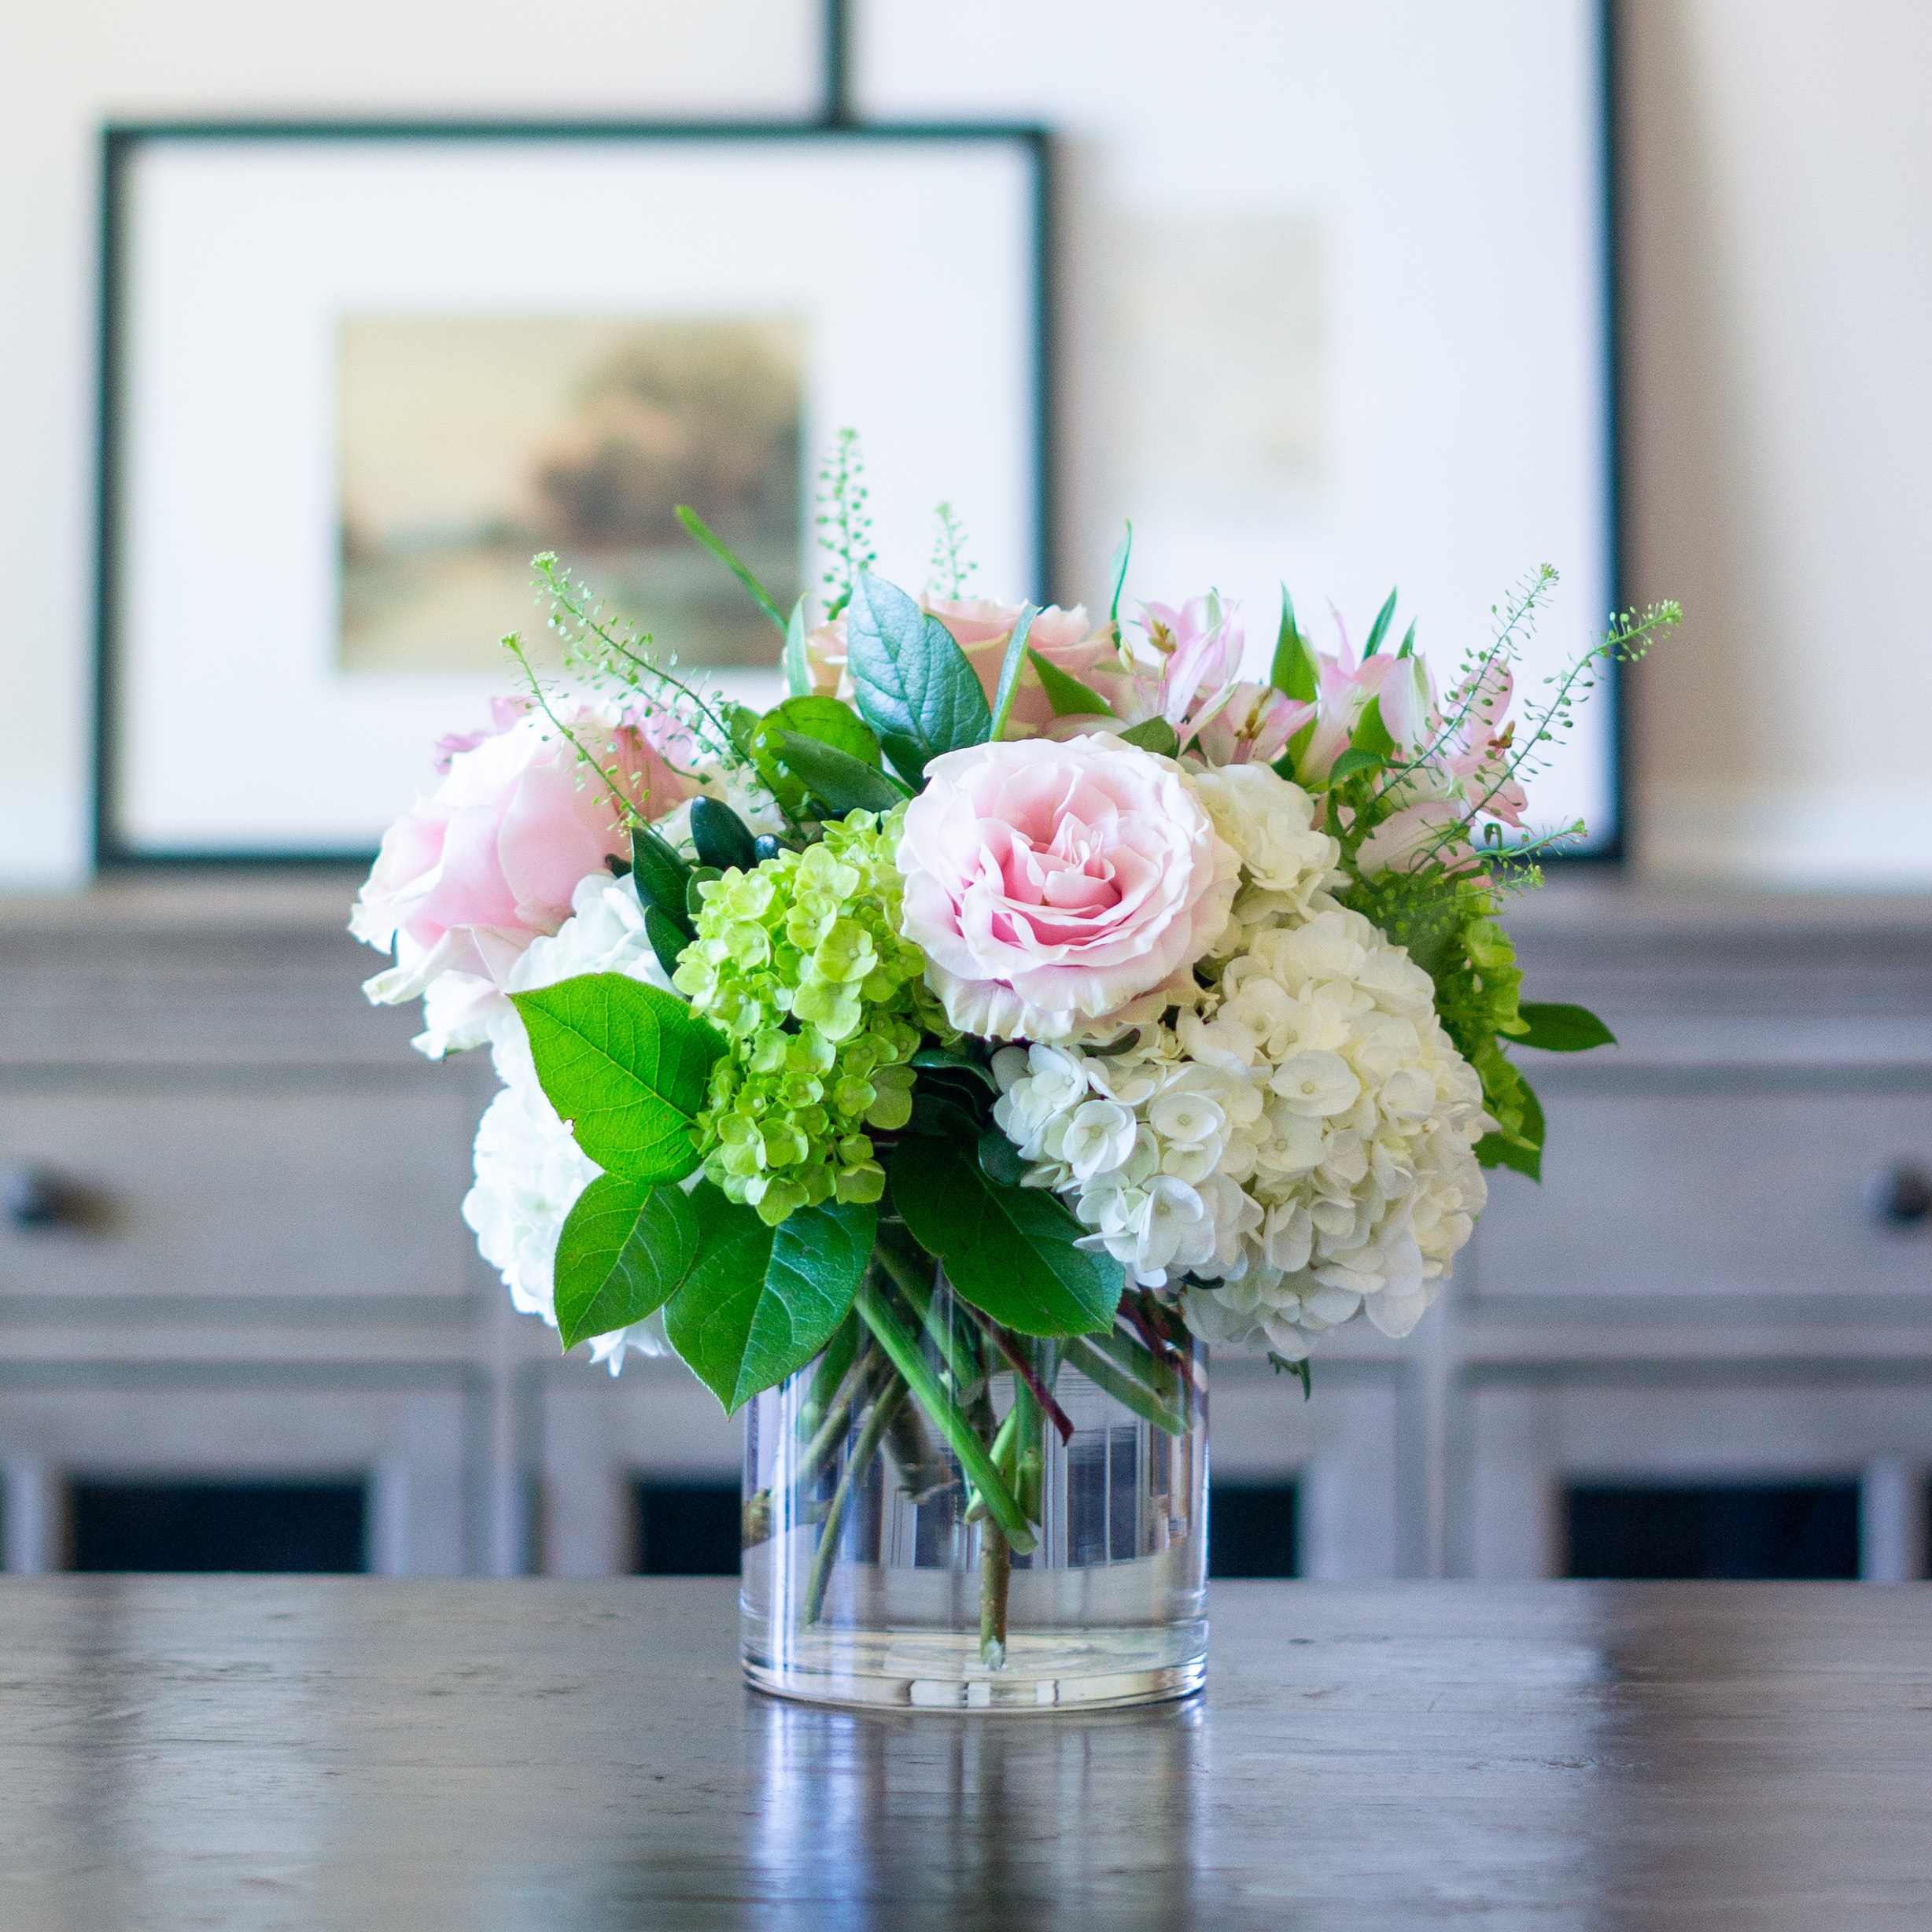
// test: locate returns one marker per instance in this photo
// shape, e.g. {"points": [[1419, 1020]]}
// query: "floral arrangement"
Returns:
{"points": [[1136, 991]]}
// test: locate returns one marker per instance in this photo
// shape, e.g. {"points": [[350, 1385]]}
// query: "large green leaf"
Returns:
{"points": [[627, 1066], [844, 783], [1559, 1029], [912, 681], [624, 1252], [1009, 1251], [760, 1302]]}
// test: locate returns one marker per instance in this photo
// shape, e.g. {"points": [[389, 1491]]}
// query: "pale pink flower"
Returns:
{"points": [[1066, 638], [470, 875], [1251, 727], [1189, 681], [1052, 886]]}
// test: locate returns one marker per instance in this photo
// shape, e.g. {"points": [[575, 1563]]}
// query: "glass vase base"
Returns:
{"points": [[943, 1671]]}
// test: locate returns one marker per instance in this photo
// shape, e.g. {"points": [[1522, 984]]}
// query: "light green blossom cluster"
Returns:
{"points": [[800, 965]]}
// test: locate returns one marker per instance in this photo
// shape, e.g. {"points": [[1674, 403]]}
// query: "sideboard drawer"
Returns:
{"points": [[1706, 1193], [254, 1191]]}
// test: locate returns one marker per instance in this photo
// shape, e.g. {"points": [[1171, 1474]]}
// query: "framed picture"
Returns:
{"points": [[353, 378]]}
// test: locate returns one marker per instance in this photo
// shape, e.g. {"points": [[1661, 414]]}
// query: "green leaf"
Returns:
{"points": [[911, 680], [663, 878], [721, 838], [798, 662], [1356, 758], [831, 721], [844, 783], [1295, 669], [722, 552], [760, 1302], [1524, 1155], [1065, 692], [1000, 1161], [1557, 1029], [1371, 734], [908, 757], [627, 1066], [1117, 570], [1008, 687], [624, 1252], [1379, 629], [1009, 1251], [701, 876], [1153, 734], [1408, 643], [667, 938]]}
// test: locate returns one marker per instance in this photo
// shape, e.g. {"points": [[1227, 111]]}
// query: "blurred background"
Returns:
{"points": [[1331, 284]]}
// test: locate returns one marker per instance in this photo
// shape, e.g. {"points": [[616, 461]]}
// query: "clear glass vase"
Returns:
{"points": [[942, 1514]]}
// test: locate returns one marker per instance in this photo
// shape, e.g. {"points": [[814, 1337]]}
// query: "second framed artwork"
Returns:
{"points": [[355, 377]]}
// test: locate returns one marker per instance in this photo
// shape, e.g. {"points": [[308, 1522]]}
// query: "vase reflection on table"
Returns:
{"points": [[942, 1514]]}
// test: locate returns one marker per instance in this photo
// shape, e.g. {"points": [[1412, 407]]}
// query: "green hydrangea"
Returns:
{"points": [[800, 965]]}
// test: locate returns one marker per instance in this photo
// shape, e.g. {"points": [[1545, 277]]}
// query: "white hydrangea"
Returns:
{"points": [[529, 1170], [1297, 1153]]}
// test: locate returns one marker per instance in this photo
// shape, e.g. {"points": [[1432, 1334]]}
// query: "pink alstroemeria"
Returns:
{"points": [[1189, 682], [1251, 727]]}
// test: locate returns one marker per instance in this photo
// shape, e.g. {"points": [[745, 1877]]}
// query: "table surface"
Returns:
{"points": [[581, 1756]]}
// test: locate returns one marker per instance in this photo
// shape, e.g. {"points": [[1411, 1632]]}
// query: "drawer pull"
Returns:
{"points": [[1900, 1195], [35, 1198]]}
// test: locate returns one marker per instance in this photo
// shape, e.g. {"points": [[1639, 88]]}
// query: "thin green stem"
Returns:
{"points": [[864, 1453], [1101, 1371], [932, 1395], [837, 1418]]}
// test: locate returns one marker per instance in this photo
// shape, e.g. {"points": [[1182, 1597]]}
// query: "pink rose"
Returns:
{"points": [[1052, 886], [470, 875], [981, 627]]}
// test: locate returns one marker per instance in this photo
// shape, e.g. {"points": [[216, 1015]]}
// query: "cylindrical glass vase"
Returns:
{"points": [[942, 1514]]}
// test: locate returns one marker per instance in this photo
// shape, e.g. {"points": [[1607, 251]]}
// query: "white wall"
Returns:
{"points": [[72, 65], [1779, 389]]}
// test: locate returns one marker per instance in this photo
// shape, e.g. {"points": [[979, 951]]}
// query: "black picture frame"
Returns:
{"points": [[122, 142]]}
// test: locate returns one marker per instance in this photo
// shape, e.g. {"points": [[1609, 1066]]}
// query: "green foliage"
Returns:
{"points": [[825, 719], [1556, 1028], [1009, 1251], [911, 681], [1117, 576], [663, 878], [1065, 692], [845, 525], [758, 1301], [1010, 666], [1379, 629], [1521, 1148], [719, 836], [797, 659], [801, 966], [843, 784], [951, 566], [627, 1066], [624, 1252], [1294, 671], [1155, 735], [694, 526]]}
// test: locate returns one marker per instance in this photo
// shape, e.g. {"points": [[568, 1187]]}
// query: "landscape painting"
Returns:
{"points": [[469, 443]]}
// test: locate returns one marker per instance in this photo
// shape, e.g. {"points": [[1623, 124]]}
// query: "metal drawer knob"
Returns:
{"points": [[1900, 1195], [35, 1198]]}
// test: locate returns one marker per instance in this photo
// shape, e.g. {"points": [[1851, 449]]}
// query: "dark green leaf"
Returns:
{"points": [[1356, 758], [935, 1112], [662, 877], [701, 875], [1009, 1251], [1408, 643], [760, 1302], [694, 524], [829, 720], [1000, 1161], [667, 938], [844, 783], [1153, 734], [1379, 629], [1557, 1029], [1066, 694], [941, 1059], [798, 661], [721, 838], [1493, 1151], [624, 1252], [910, 678], [1117, 571], [1010, 667], [627, 1066], [1301, 1370], [1294, 672], [908, 756]]}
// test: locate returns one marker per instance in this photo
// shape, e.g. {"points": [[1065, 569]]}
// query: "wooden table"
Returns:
{"points": [[579, 1757]]}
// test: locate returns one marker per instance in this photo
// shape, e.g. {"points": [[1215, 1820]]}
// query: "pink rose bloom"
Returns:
{"points": [[981, 628], [471, 874], [1055, 887]]}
